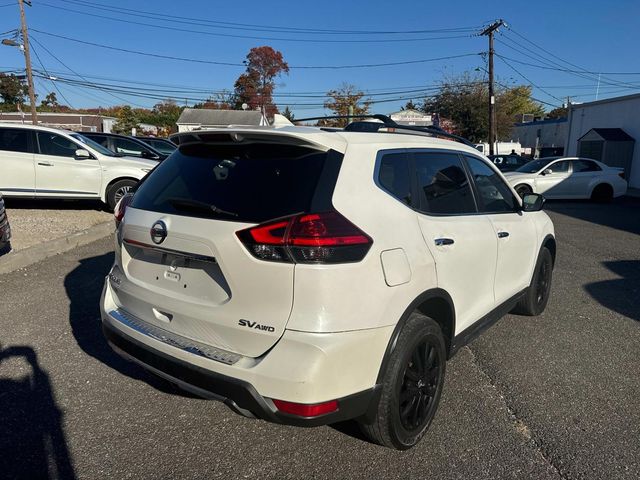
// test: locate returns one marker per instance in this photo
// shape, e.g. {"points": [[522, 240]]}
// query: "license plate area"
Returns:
{"points": [[193, 276]]}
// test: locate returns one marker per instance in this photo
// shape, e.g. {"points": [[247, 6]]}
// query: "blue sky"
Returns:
{"points": [[593, 35]]}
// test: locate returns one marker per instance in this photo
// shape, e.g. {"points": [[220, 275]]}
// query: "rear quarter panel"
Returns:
{"points": [[356, 296]]}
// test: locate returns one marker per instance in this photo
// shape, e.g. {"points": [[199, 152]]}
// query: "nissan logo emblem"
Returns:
{"points": [[158, 232]]}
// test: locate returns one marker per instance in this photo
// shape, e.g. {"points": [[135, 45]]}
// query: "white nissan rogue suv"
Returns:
{"points": [[306, 276]]}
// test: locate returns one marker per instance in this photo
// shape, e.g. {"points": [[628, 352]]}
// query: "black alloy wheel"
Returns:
{"points": [[543, 284], [419, 385], [412, 379]]}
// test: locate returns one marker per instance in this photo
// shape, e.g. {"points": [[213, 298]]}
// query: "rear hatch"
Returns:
{"points": [[185, 269]]}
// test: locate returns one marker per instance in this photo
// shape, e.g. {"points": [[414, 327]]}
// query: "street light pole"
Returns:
{"points": [[492, 99], [27, 59]]}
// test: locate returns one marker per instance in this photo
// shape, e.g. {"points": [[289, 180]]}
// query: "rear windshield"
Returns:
{"points": [[241, 183]]}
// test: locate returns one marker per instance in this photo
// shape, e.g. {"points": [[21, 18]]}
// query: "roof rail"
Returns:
{"points": [[387, 122]]}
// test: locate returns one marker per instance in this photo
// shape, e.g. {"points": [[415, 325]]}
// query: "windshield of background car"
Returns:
{"points": [[90, 143], [535, 165], [251, 182]]}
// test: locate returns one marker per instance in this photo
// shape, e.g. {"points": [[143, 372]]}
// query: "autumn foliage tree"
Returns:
{"points": [[341, 99], [255, 87], [464, 101]]}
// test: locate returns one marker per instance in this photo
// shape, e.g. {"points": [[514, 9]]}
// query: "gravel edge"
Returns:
{"points": [[23, 258]]}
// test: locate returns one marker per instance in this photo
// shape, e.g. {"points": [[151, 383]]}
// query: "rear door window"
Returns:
{"points": [[394, 176], [582, 166], [243, 183], [443, 184], [16, 140]]}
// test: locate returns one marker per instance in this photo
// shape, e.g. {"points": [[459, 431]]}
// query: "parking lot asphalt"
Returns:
{"points": [[555, 396]]}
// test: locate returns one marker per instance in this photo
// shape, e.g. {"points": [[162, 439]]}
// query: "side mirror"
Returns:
{"points": [[546, 171], [532, 202], [82, 154]]}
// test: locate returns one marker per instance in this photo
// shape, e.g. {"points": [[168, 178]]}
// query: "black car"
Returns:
{"points": [[5, 230], [508, 163], [160, 144], [129, 146]]}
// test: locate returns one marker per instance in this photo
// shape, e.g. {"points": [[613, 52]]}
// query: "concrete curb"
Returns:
{"points": [[23, 258]]}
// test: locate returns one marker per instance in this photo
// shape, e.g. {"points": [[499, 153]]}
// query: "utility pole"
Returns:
{"points": [[27, 59], [492, 99]]}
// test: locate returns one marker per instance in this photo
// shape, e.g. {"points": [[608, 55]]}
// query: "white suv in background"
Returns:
{"points": [[42, 162], [305, 276]]}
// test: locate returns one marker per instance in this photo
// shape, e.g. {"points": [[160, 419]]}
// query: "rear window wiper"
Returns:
{"points": [[186, 204]]}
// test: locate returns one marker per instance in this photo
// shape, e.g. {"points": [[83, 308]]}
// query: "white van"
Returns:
{"points": [[42, 162]]}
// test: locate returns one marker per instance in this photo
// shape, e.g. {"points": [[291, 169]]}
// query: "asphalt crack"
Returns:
{"points": [[518, 423]]}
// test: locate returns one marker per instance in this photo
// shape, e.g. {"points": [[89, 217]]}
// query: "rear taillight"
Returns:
{"points": [[121, 207], [621, 175], [325, 237], [305, 409]]}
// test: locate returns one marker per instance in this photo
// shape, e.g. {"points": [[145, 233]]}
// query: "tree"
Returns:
{"points": [[558, 112], [340, 101], [163, 115], [127, 120], [409, 106], [289, 114], [224, 100], [255, 86], [51, 100], [464, 100], [12, 90]]}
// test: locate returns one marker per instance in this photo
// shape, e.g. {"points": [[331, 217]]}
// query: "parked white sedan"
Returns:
{"points": [[568, 178]]}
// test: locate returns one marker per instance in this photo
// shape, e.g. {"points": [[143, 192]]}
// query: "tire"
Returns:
{"points": [[523, 189], [535, 300], [603, 193], [411, 386], [116, 190]]}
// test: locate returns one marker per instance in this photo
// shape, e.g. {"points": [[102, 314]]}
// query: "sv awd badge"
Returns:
{"points": [[257, 326]]}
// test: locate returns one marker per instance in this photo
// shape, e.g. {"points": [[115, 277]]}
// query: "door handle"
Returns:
{"points": [[45, 164], [503, 234], [440, 242]]}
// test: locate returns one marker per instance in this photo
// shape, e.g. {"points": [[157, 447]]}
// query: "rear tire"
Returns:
{"points": [[523, 190], [603, 193], [411, 386], [536, 298], [117, 190]]}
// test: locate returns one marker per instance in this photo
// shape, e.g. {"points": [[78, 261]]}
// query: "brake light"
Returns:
{"points": [[305, 409], [325, 237], [621, 175], [121, 207]]}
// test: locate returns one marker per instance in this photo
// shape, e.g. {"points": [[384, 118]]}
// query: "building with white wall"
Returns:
{"points": [[612, 113], [543, 138]]}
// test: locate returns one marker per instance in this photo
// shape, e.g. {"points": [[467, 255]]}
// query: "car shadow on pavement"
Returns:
{"points": [[621, 214], [621, 295], [32, 439], [84, 288]]}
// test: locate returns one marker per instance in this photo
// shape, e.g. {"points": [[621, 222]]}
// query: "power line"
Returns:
{"points": [[253, 27], [566, 61], [250, 37], [527, 80], [579, 72], [212, 62], [45, 71], [71, 70]]}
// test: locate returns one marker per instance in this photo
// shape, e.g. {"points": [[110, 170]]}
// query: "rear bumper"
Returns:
{"points": [[295, 370], [238, 395]]}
